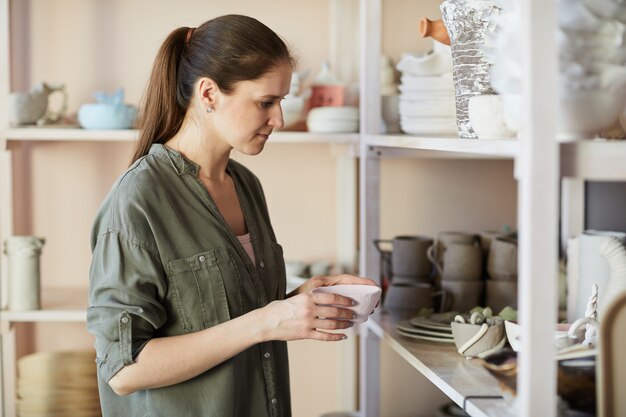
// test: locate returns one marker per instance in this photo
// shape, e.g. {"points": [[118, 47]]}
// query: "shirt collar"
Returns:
{"points": [[178, 161]]}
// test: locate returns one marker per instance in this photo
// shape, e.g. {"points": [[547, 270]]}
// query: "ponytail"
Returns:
{"points": [[162, 113]]}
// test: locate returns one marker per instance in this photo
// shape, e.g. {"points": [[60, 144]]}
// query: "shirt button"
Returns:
{"points": [[262, 264], [274, 401], [267, 355], [201, 258], [124, 320]]}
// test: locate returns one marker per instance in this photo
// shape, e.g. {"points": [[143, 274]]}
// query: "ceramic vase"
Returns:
{"points": [[24, 289]]}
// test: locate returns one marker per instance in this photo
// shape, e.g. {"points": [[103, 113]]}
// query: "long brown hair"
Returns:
{"points": [[227, 49]]}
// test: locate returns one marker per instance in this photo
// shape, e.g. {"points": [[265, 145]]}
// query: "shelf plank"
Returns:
{"points": [[76, 134], [445, 147], [60, 305], [594, 159], [457, 377]]}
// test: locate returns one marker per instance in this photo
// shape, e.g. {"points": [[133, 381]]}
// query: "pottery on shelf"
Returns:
{"points": [[109, 112], [478, 340], [23, 271], [366, 297], [27, 108], [435, 29]]}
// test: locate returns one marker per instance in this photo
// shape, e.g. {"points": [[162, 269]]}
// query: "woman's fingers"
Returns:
{"points": [[328, 298], [329, 324], [330, 312]]}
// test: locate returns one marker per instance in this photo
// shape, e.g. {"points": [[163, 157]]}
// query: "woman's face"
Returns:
{"points": [[245, 118]]}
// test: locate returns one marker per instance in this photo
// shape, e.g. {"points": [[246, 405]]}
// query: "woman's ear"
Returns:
{"points": [[206, 90]]}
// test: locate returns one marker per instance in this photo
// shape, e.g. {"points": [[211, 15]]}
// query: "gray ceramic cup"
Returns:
{"points": [[436, 251], [410, 298], [502, 259], [500, 294], [463, 295], [408, 256], [461, 262]]}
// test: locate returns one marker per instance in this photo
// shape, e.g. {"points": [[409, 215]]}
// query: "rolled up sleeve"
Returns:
{"points": [[127, 286]]}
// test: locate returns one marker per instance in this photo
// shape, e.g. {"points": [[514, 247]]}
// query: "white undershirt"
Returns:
{"points": [[247, 245]]}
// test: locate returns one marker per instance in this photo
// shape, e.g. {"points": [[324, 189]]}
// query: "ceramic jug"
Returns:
{"points": [[32, 107]]}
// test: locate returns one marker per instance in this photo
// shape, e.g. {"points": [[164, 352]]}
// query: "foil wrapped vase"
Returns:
{"points": [[469, 24]]}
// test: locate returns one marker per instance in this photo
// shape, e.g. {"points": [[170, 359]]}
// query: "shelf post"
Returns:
{"points": [[538, 211], [369, 186]]}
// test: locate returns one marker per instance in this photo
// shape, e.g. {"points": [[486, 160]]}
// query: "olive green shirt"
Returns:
{"points": [[165, 263]]}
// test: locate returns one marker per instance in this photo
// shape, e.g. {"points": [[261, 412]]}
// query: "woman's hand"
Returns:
{"points": [[326, 281], [307, 316]]}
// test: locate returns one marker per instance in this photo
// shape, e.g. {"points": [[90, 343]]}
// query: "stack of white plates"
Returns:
{"points": [[424, 328], [333, 119], [58, 384], [427, 103]]}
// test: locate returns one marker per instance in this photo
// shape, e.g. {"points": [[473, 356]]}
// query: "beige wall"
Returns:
{"points": [[101, 45]]}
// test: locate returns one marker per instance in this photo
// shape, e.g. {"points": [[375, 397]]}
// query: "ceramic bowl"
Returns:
{"points": [[502, 366], [514, 332], [106, 116], [487, 118], [333, 119], [576, 383], [366, 297], [582, 113], [478, 340]]}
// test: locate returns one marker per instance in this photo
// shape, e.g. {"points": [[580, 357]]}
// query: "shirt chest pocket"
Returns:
{"points": [[205, 289]]}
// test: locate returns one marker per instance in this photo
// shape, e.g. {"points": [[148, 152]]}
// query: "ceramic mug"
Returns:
{"points": [[461, 262], [408, 256], [501, 294], [502, 259], [435, 252], [411, 298], [463, 295]]}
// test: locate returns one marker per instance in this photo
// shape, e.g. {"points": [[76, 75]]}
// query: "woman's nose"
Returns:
{"points": [[276, 118]]}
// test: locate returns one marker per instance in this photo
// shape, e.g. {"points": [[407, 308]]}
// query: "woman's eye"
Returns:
{"points": [[267, 104]]}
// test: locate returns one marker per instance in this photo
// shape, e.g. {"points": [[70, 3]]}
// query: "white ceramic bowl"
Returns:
{"points": [[514, 331], [366, 297], [487, 118]]}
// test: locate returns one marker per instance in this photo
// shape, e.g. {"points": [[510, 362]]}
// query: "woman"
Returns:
{"points": [[187, 297]]}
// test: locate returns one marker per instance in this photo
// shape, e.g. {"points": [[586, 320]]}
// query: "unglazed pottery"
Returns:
{"points": [[366, 297], [23, 271]]}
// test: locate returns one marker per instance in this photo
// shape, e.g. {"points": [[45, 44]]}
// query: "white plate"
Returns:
{"points": [[440, 83], [427, 323], [406, 326], [427, 108], [427, 338], [429, 125]]}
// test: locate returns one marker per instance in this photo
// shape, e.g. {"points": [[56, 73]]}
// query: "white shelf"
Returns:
{"points": [[61, 305], [443, 147], [76, 134], [459, 378], [594, 159]]}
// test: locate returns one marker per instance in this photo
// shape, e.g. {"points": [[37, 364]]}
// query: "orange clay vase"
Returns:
{"points": [[435, 29]]}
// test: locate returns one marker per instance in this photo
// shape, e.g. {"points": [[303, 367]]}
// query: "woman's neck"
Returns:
{"points": [[195, 144]]}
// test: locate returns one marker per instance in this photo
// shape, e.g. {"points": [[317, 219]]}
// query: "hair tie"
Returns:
{"points": [[189, 33]]}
